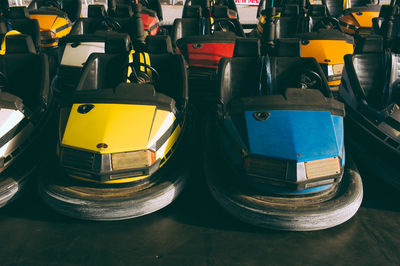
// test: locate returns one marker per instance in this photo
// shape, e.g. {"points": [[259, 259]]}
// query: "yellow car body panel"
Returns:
{"points": [[364, 19], [329, 52], [59, 26], [122, 127]]}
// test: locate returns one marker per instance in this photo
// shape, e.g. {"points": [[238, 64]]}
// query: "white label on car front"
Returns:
{"points": [[9, 119], [76, 55]]}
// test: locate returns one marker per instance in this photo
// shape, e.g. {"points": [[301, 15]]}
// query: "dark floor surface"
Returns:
{"points": [[193, 230]]}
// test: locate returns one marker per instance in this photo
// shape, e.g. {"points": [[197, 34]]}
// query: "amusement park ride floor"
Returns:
{"points": [[194, 230]]}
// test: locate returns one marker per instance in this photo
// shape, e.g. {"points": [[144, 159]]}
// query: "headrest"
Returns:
{"points": [[386, 11], [20, 44], [318, 11], [123, 11], [18, 12], [249, 47], [96, 11], [160, 44], [220, 12], [117, 44], [191, 12], [290, 10], [369, 44], [289, 47]]}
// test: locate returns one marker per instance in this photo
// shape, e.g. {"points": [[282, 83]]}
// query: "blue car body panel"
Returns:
{"points": [[295, 135]]}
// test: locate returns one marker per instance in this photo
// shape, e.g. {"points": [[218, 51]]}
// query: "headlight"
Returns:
{"points": [[133, 160], [322, 168], [333, 72], [47, 37]]}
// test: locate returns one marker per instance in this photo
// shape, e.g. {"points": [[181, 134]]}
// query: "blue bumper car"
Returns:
{"points": [[275, 152]]}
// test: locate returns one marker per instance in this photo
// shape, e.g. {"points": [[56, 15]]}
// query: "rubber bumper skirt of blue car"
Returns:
{"points": [[88, 201], [314, 212]]}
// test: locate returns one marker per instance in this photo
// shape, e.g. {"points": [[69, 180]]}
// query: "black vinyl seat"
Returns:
{"points": [[105, 75], [20, 21], [192, 12], [26, 71], [315, 15], [114, 44], [185, 27], [374, 78]]}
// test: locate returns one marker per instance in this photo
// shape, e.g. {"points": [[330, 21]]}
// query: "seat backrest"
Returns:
{"points": [[335, 7], [26, 71], [20, 21], [173, 76], [192, 12], [97, 11], [86, 26], [223, 12], [369, 44], [371, 73], [316, 13], [184, 27], [247, 47], [233, 73], [123, 11], [159, 44], [73, 8], [289, 22]]}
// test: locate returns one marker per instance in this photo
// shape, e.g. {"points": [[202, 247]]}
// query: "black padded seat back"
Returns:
{"points": [[18, 12], [238, 77], [223, 12], [369, 44], [159, 44], [192, 12], [86, 26], [290, 11], [96, 11], [173, 76], [247, 47], [73, 8], [335, 8], [371, 72], [288, 47], [27, 75], [286, 26], [189, 27], [20, 44], [118, 43], [29, 27], [103, 71], [316, 13], [286, 73], [123, 11]]}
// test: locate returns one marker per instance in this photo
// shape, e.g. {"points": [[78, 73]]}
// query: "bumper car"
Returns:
{"points": [[275, 153], [370, 90], [55, 19], [316, 36], [150, 13], [354, 16], [25, 111], [124, 143], [203, 41]]}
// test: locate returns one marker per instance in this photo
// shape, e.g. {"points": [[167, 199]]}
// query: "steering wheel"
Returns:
{"points": [[141, 77], [3, 81], [310, 79], [111, 23], [223, 25], [327, 23]]}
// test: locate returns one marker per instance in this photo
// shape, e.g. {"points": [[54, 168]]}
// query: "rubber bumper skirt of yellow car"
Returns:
{"points": [[306, 213], [84, 200]]}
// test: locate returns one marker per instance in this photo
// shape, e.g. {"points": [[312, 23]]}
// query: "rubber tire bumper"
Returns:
{"points": [[13, 181], [89, 201], [269, 211]]}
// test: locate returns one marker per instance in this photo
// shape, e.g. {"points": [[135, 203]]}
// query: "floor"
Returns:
{"points": [[194, 230]]}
